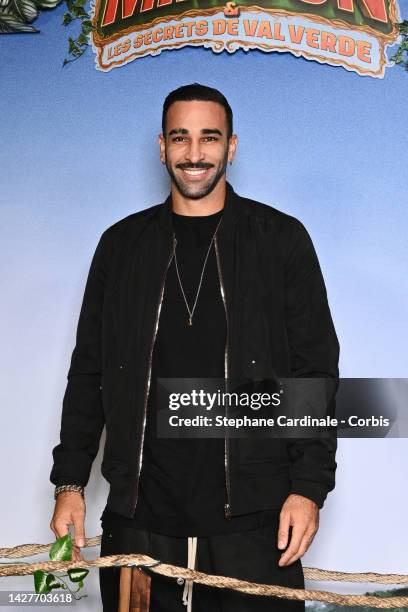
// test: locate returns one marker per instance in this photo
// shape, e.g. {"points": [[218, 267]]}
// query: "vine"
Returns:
{"points": [[401, 55], [77, 46], [44, 582]]}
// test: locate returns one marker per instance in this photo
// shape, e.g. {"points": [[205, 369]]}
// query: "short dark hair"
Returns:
{"points": [[196, 91]]}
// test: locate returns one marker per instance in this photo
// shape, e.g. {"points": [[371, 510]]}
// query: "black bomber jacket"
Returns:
{"points": [[278, 324]]}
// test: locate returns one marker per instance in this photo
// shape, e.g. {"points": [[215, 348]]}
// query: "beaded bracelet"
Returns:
{"points": [[69, 487]]}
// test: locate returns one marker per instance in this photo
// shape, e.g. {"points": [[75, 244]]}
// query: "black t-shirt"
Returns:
{"points": [[182, 481]]}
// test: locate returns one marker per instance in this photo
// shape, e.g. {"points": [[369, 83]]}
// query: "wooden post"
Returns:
{"points": [[124, 589], [134, 590]]}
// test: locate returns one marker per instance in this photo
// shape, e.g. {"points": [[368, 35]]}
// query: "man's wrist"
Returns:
{"points": [[310, 489], [69, 487]]}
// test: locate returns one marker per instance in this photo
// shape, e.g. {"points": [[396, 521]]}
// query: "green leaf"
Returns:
{"points": [[11, 23], [77, 574], [40, 582], [86, 29], [67, 19], [72, 46], [78, 11], [61, 550], [26, 9], [82, 39], [52, 582], [399, 57]]}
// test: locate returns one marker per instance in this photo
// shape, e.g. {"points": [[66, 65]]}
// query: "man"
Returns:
{"points": [[207, 284]]}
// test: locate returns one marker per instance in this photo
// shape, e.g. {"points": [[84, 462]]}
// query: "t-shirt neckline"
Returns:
{"points": [[198, 218]]}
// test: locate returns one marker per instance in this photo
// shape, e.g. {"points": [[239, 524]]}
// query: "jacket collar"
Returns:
{"points": [[232, 209]]}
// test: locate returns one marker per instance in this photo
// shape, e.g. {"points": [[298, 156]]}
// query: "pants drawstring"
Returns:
{"points": [[188, 586]]}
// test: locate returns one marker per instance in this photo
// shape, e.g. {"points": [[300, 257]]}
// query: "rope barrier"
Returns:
{"points": [[173, 571]]}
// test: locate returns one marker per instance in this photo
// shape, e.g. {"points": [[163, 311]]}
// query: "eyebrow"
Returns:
{"points": [[203, 131]]}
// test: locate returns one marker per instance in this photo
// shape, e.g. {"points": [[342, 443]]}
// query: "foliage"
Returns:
{"points": [[17, 15], [60, 550], [76, 11], [401, 56]]}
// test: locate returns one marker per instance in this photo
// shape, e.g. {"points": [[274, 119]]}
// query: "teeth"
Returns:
{"points": [[196, 172]]}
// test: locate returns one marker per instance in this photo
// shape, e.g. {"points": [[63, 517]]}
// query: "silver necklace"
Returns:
{"points": [[191, 311]]}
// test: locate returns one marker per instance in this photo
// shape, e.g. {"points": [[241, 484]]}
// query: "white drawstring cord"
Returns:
{"points": [[188, 586]]}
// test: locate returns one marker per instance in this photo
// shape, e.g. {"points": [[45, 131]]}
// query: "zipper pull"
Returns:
{"points": [[227, 511]]}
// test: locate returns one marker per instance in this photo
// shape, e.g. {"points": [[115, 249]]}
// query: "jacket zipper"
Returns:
{"points": [[227, 505], [156, 326]]}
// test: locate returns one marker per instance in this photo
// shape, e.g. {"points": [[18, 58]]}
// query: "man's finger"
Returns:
{"points": [[283, 531], [304, 545], [76, 555], [61, 529], [79, 530], [297, 535]]}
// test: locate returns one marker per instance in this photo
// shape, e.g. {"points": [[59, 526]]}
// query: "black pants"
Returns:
{"points": [[250, 555]]}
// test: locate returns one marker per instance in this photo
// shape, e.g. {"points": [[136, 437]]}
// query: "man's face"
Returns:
{"points": [[196, 148]]}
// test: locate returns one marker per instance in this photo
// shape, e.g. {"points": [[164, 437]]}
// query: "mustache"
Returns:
{"points": [[199, 166]]}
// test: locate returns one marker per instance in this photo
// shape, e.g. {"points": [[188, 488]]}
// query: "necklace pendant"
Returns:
{"points": [[190, 321]]}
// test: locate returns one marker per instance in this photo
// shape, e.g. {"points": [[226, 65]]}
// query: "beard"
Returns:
{"points": [[189, 191]]}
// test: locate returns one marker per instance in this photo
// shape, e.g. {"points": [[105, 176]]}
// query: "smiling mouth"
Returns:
{"points": [[195, 172], [192, 172]]}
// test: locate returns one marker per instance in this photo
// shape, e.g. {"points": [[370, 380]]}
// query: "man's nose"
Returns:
{"points": [[194, 152]]}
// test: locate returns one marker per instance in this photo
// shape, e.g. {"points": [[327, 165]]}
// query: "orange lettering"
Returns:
{"points": [[311, 38], [219, 26], [189, 26], [277, 34], [328, 42], [296, 34], [232, 27], [363, 51], [201, 28], [157, 35], [264, 30], [168, 33], [346, 46], [138, 41], [250, 26]]}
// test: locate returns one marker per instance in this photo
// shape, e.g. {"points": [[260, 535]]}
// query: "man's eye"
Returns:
{"points": [[210, 138], [177, 138]]}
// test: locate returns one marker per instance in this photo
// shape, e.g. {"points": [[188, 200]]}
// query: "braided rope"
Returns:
{"points": [[21, 569]]}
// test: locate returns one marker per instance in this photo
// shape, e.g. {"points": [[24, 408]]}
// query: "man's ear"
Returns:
{"points": [[232, 147], [162, 145]]}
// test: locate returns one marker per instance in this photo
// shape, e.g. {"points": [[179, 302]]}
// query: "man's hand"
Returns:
{"points": [[70, 510], [303, 515]]}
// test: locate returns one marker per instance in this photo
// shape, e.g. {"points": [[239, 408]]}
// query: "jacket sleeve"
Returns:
{"points": [[82, 417], [314, 353]]}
